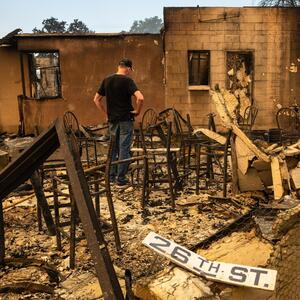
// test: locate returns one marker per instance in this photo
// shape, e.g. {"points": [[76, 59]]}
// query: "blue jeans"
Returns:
{"points": [[123, 131]]}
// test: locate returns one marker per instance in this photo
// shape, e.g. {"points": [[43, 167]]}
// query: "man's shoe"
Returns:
{"points": [[122, 184]]}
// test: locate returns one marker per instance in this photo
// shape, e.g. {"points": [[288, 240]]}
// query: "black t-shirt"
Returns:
{"points": [[118, 90]]}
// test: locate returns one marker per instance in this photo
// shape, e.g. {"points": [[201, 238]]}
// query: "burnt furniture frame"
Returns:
{"points": [[288, 122], [247, 121], [158, 154], [25, 165]]}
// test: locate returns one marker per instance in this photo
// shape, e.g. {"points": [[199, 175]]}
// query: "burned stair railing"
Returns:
{"points": [[27, 163]]}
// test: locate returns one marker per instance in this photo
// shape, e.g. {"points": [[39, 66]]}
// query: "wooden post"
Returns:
{"points": [[104, 268]]}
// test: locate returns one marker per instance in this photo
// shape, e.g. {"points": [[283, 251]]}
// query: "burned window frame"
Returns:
{"points": [[251, 54], [190, 69], [33, 81]]}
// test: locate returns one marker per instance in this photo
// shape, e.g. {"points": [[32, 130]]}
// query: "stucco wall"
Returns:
{"points": [[84, 62], [273, 34], [10, 88]]}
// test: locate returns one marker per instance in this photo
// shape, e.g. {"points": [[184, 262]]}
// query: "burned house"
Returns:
{"points": [[259, 47], [59, 72], [213, 199], [252, 51]]}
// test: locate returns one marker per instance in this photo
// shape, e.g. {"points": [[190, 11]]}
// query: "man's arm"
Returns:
{"points": [[139, 102], [99, 103]]}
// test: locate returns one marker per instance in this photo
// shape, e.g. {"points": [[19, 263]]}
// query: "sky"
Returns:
{"points": [[98, 15]]}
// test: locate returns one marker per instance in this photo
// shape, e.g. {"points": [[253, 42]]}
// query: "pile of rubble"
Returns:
{"points": [[222, 231], [260, 165], [196, 218]]}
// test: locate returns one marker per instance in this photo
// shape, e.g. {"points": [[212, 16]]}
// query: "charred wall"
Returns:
{"points": [[84, 62], [270, 34], [10, 87]]}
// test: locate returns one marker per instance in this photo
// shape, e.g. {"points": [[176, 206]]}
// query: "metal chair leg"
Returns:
{"points": [[56, 214], [97, 197], [145, 182], [226, 163], [39, 217], [109, 195], [2, 236], [72, 231], [197, 157], [169, 170]]}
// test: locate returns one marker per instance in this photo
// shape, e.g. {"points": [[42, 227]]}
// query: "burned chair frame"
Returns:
{"points": [[25, 165]]}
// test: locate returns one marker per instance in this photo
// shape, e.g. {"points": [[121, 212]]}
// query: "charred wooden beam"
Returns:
{"points": [[21, 169], [19, 287], [244, 219], [104, 268], [51, 270]]}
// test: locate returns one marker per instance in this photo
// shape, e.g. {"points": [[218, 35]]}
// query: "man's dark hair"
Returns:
{"points": [[126, 62]]}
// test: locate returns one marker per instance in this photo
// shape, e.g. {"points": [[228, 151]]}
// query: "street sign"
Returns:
{"points": [[234, 274]]}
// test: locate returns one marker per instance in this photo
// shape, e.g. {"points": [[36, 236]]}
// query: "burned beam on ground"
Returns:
{"points": [[225, 230], [19, 287], [52, 272]]}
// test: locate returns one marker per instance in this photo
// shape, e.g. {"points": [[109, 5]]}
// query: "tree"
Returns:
{"points": [[53, 25], [279, 3], [78, 27], [148, 25]]}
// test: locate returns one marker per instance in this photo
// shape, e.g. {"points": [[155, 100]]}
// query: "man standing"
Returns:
{"points": [[118, 90]]}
